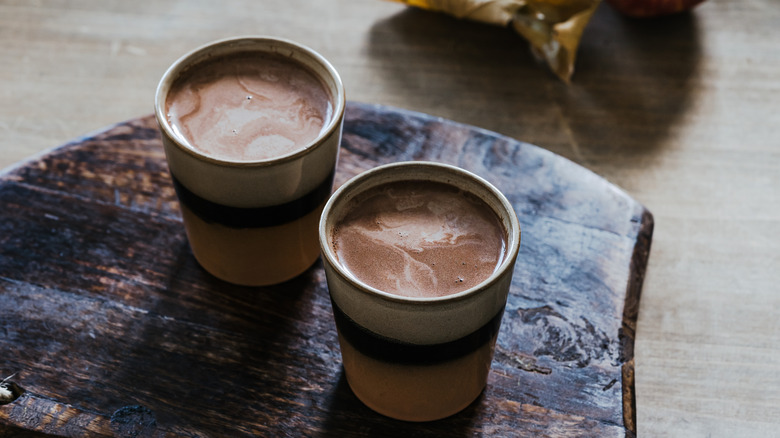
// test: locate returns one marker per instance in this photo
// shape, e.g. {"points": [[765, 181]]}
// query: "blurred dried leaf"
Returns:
{"points": [[552, 27]]}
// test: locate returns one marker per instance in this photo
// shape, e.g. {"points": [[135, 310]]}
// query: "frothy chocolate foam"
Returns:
{"points": [[248, 106], [419, 238]]}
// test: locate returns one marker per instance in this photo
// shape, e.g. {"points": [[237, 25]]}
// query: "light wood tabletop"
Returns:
{"points": [[682, 112]]}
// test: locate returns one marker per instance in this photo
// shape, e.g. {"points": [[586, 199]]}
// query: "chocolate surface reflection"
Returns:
{"points": [[248, 106], [419, 238]]}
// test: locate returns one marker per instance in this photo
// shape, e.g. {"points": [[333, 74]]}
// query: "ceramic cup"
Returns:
{"points": [[253, 222], [417, 358]]}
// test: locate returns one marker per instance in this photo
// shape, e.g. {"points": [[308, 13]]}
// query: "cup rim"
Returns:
{"points": [[353, 187], [339, 100]]}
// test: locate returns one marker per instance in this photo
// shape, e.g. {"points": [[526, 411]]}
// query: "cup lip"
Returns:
{"points": [[182, 62], [513, 233]]}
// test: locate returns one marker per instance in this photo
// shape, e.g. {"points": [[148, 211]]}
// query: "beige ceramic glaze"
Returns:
{"points": [[254, 255], [419, 321]]}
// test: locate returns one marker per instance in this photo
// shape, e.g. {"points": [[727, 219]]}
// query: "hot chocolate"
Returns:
{"points": [[251, 128], [420, 239], [420, 348], [248, 106]]}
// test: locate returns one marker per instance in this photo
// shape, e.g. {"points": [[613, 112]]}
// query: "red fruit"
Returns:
{"points": [[652, 8]]}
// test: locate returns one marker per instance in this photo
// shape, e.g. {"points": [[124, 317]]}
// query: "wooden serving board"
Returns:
{"points": [[110, 327]]}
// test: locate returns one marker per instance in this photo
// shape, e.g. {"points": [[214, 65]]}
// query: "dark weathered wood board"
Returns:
{"points": [[113, 329]]}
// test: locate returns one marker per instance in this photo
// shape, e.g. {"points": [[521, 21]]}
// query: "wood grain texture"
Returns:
{"points": [[116, 331]]}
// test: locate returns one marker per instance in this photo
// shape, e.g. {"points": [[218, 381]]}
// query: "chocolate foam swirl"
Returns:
{"points": [[248, 106], [420, 239]]}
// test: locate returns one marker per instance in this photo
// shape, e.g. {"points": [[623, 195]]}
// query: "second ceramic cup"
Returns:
{"points": [[419, 260], [251, 128]]}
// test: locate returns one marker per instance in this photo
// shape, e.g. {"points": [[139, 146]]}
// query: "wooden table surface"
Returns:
{"points": [[681, 112]]}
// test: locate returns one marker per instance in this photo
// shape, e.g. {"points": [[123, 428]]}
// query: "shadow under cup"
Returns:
{"points": [[254, 222], [417, 358]]}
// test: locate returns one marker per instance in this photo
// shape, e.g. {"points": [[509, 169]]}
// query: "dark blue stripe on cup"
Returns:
{"points": [[238, 217], [394, 351]]}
